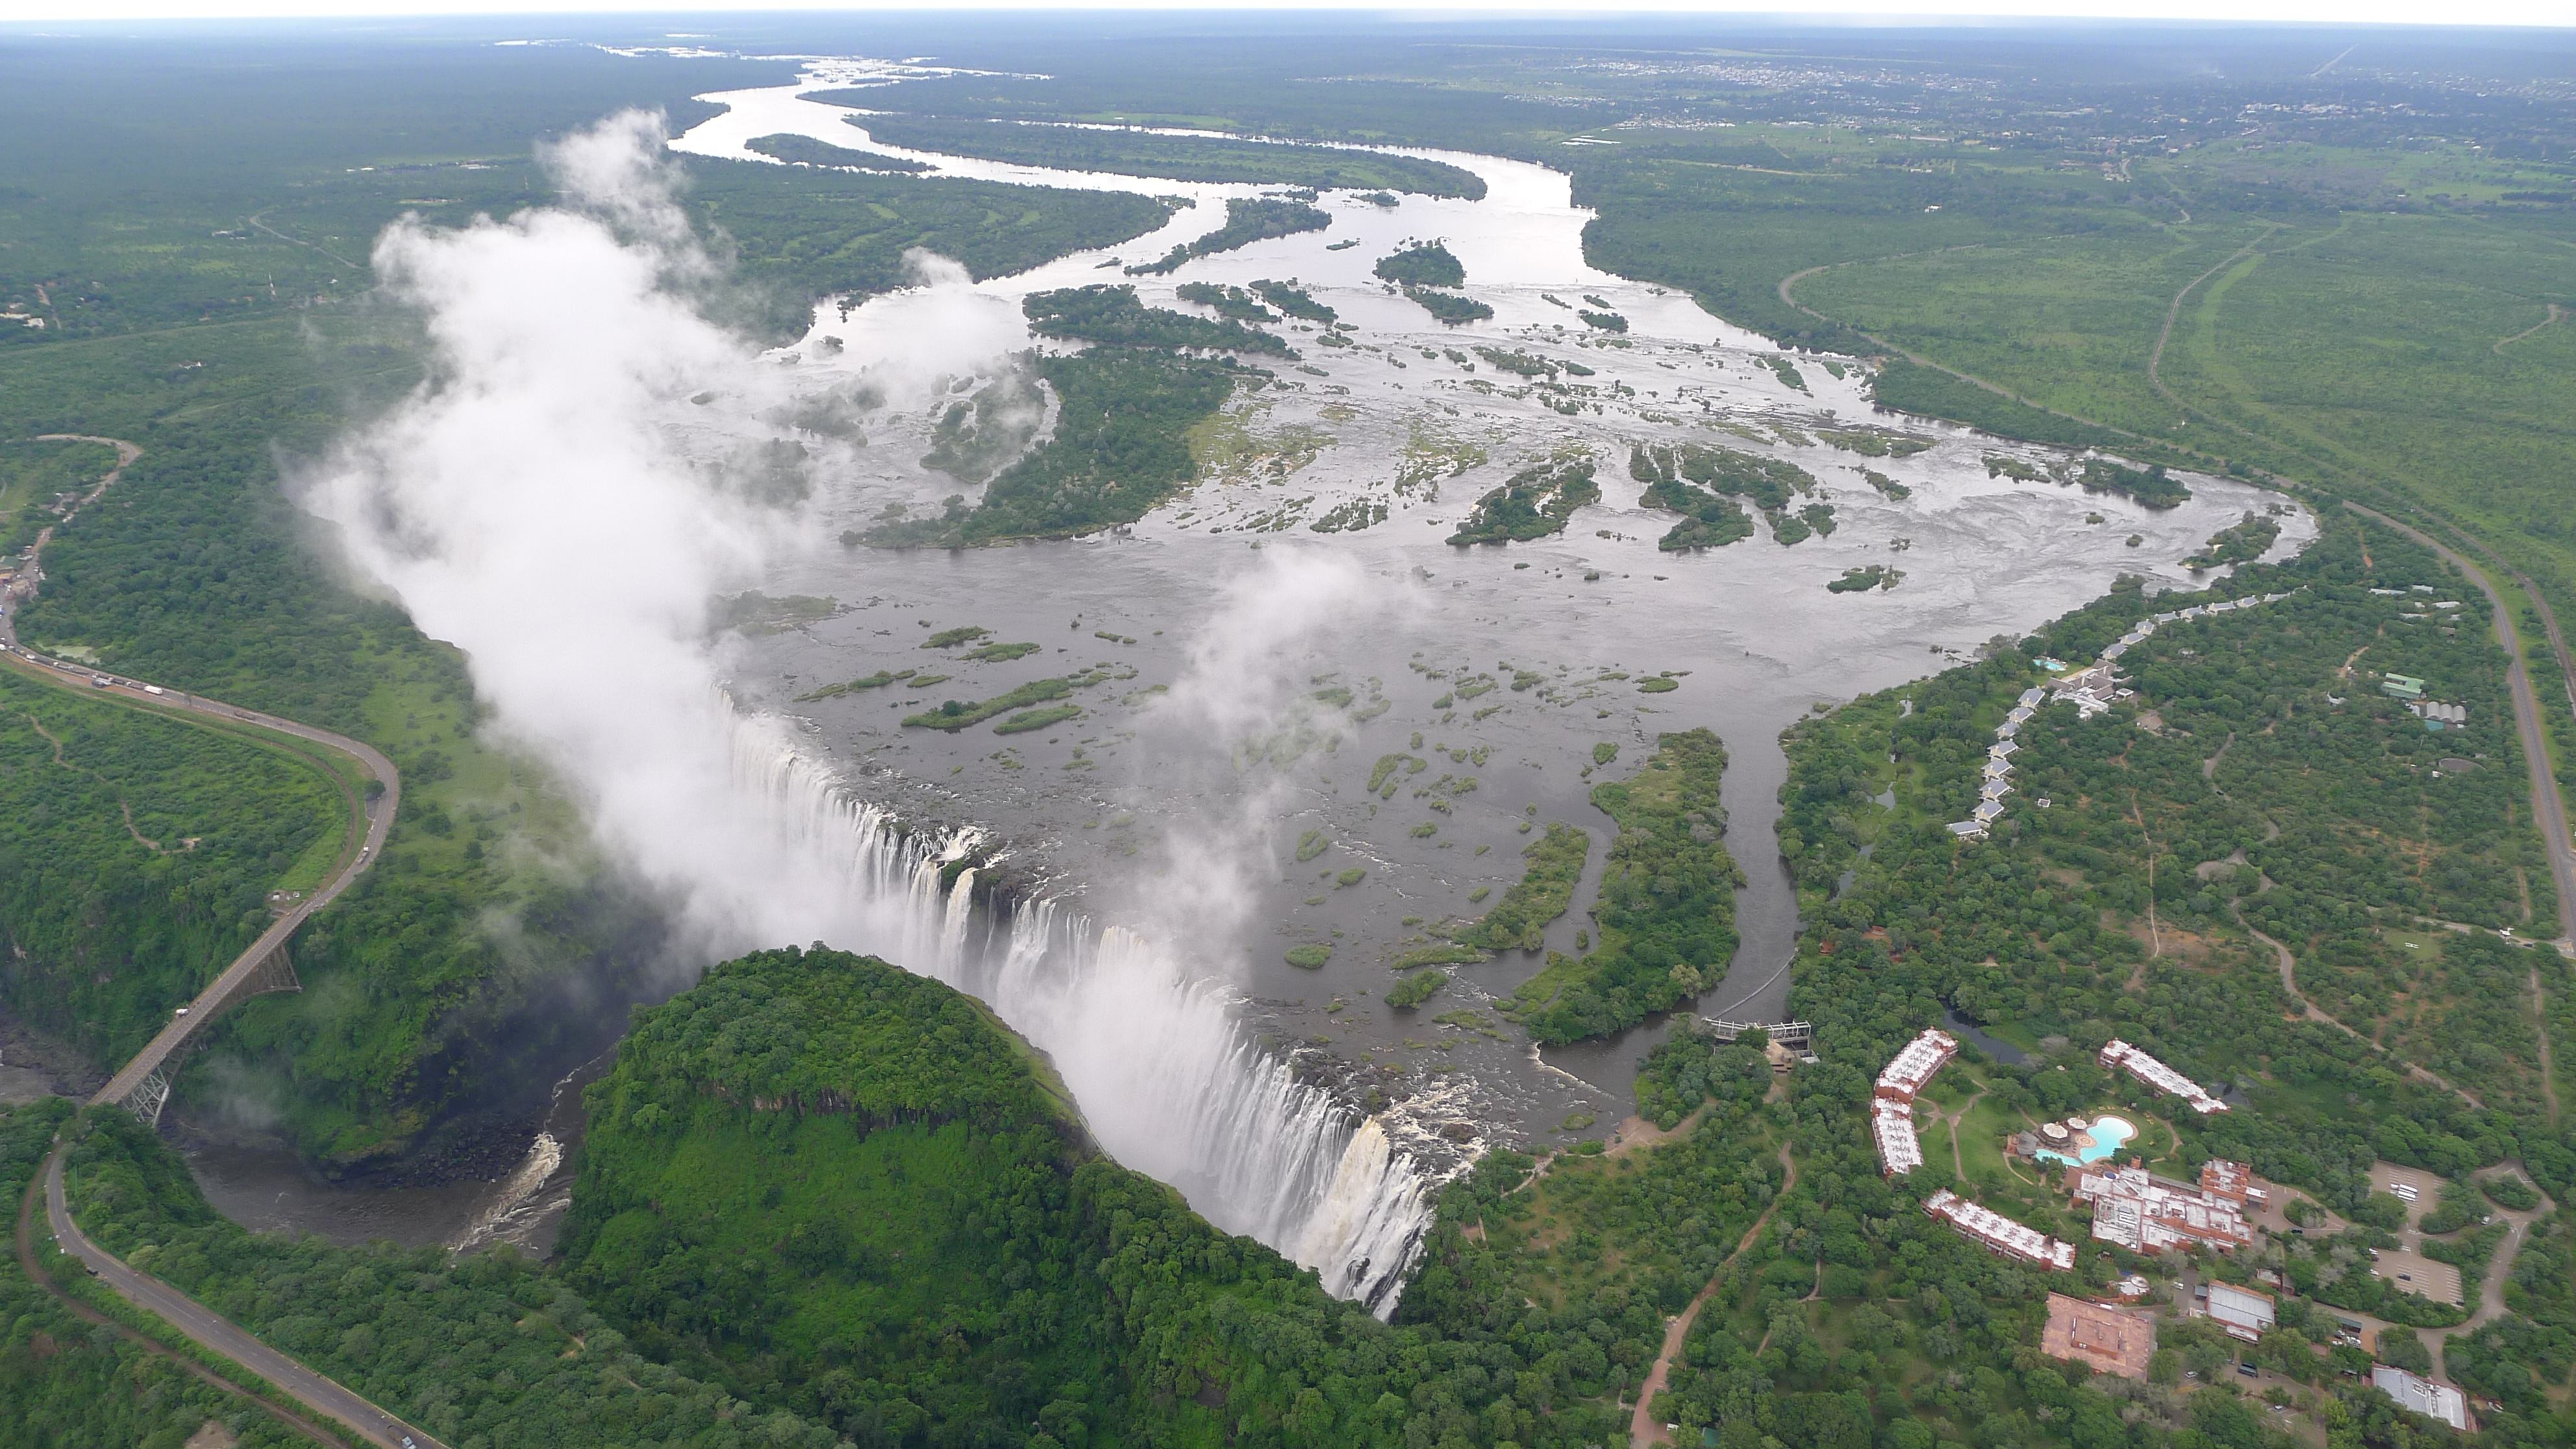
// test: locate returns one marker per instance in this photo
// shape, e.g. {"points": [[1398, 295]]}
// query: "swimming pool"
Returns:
{"points": [[2104, 1138]]}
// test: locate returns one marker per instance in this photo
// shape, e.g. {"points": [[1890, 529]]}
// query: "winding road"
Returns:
{"points": [[200, 1324]]}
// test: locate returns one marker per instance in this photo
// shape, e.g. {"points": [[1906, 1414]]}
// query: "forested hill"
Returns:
{"points": [[848, 1191]]}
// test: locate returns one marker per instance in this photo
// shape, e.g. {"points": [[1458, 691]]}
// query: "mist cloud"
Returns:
{"points": [[565, 495]]}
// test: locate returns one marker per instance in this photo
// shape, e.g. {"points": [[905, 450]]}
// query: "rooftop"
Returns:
{"points": [[2121, 1056], [2112, 1340], [1911, 1069]]}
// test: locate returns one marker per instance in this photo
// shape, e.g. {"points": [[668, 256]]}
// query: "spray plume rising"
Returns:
{"points": [[556, 501]]}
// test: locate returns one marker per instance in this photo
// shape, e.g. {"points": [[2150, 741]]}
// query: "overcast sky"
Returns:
{"points": [[2453, 12]]}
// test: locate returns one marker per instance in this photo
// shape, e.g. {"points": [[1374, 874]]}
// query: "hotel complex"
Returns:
{"points": [[2120, 1056]]}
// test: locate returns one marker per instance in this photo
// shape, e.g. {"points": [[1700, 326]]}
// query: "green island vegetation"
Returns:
{"points": [[1709, 521], [1658, 684], [1517, 362], [138, 853], [1000, 653], [1666, 909], [878, 680], [2246, 539], [1605, 321], [806, 151], [1136, 153], [1424, 264], [1311, 844], [2149, 485], [1232, 303], [1449, 307], [1519, 921], [1112, 314], [951, 638], [955, 714], [1888, 487], [1248, 219], [976, 438], [1295, 301], [1532, 503], [1310, 955], [1874, 442], [1416, 989], [1350, 516], [756, 613], [1868, 576], [1700, 482], [1120, 447], [1037, 719]]}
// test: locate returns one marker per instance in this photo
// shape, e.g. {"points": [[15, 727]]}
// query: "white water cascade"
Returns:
{"points": [[1167, 1079]]}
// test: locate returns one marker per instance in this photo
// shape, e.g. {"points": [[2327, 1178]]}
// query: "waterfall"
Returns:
{"points": [[1167, 1079]]}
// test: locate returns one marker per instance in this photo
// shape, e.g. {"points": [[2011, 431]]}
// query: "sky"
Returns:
{"points": [[2344, 12]]}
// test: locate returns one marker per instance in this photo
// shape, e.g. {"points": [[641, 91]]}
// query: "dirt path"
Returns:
{"points": [[2556, 312], [122, 805], [2540, 1030], [308, 246], [2209, 767], [2491, 1304], [1643, 1427], [2156, 358], [2155, 934], [1958, 1162], [2309, 1009]]}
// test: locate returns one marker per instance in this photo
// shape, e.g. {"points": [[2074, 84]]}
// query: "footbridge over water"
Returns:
{"points": [[1795, 1037]]}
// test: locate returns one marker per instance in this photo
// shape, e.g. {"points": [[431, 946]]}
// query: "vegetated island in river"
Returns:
{"points": [[1247, 220], [806, 151], [1140, 153]]}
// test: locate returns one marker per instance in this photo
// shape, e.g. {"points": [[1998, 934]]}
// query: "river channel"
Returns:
{"points": [[1251, 674]]}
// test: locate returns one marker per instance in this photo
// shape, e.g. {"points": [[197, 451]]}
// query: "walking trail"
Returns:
{"points": [[1643, 1427]]}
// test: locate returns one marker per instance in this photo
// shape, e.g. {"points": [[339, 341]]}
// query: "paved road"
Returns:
{"points": [[198, 1322], [212, 1330], [2547, 810], [34, 1269], [378, 813]]}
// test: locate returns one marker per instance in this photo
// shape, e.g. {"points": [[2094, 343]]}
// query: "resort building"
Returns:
{"points": [[2432, 1400], [2233, 1181], [1892, 1123], [2144, 1213], [1910, 1070], [2110, 1340], [2437, 715], [2000, 1234], [2120, 1056], [2243, 1312]]}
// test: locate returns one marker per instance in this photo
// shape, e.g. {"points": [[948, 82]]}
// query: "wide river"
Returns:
{"points": [[1215, 792]]}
